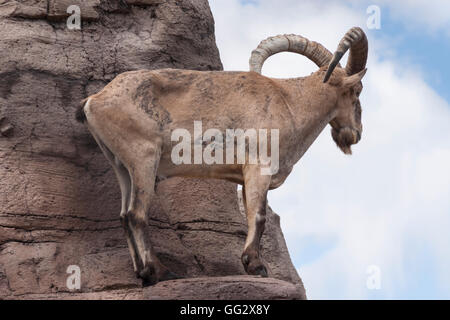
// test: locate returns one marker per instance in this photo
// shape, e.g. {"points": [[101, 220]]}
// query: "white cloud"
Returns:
{"points": [[391, 194], [240, 28], [431, 15]]}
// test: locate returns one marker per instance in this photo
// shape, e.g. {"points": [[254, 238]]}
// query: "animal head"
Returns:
{"points": [[346, 125]]}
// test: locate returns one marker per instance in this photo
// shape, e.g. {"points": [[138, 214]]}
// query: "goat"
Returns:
{"points": [[133, 116]]}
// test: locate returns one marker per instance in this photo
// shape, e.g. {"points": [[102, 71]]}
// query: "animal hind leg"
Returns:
{"points": [[125, 187], [142, 162]]}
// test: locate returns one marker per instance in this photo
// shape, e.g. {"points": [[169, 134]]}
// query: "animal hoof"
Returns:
{"points": [[151, 276], [148, 276], [254, 267], [146, 283], [262, 271]]}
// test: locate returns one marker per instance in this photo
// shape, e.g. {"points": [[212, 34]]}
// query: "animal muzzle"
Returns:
{"points": [[345, 137]]}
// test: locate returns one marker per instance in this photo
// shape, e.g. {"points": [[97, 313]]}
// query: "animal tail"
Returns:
{"points": [[79, 114]]}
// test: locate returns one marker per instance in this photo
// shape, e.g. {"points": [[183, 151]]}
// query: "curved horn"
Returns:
{"points": [[355, 39], [290, 43]]}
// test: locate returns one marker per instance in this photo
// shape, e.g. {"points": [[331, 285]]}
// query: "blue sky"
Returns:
{"points": [[428, 51], [387, 205]]}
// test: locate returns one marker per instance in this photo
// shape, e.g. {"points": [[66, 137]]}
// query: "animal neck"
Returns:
{"points": [[313, 105]]}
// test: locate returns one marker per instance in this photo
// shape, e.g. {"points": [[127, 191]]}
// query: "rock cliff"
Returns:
{"points": [[59, 200]]}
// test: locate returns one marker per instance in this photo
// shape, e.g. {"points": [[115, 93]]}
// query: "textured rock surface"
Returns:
{"points": [[204, 288], [59, 200]]}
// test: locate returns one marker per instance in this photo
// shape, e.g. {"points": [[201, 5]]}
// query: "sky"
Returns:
{"points": [[374, 225]]}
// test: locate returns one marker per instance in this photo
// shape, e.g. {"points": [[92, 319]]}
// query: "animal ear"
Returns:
{"points": [[351, 81]]}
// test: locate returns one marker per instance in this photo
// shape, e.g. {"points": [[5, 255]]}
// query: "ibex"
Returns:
{"points": [[133, 116]]}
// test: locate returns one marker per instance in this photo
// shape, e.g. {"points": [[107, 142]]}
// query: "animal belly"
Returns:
{"points": [[231, 173]]}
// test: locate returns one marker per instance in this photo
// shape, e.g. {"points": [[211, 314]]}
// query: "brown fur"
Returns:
{"points": [[133, 116], [80, 116]]}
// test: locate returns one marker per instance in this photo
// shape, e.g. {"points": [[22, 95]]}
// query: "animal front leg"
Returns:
{"points": [[255, 195]]}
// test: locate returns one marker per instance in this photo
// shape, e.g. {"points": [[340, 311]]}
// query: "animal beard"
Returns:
{"points": [[344, 138]]}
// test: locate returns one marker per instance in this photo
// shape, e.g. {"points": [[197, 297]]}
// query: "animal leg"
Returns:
{"points": [[255, 194], [125, 188], [142, 167]]}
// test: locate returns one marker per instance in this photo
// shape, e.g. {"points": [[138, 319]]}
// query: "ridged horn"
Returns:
{"points": [[289, 43], [355, 39]]}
